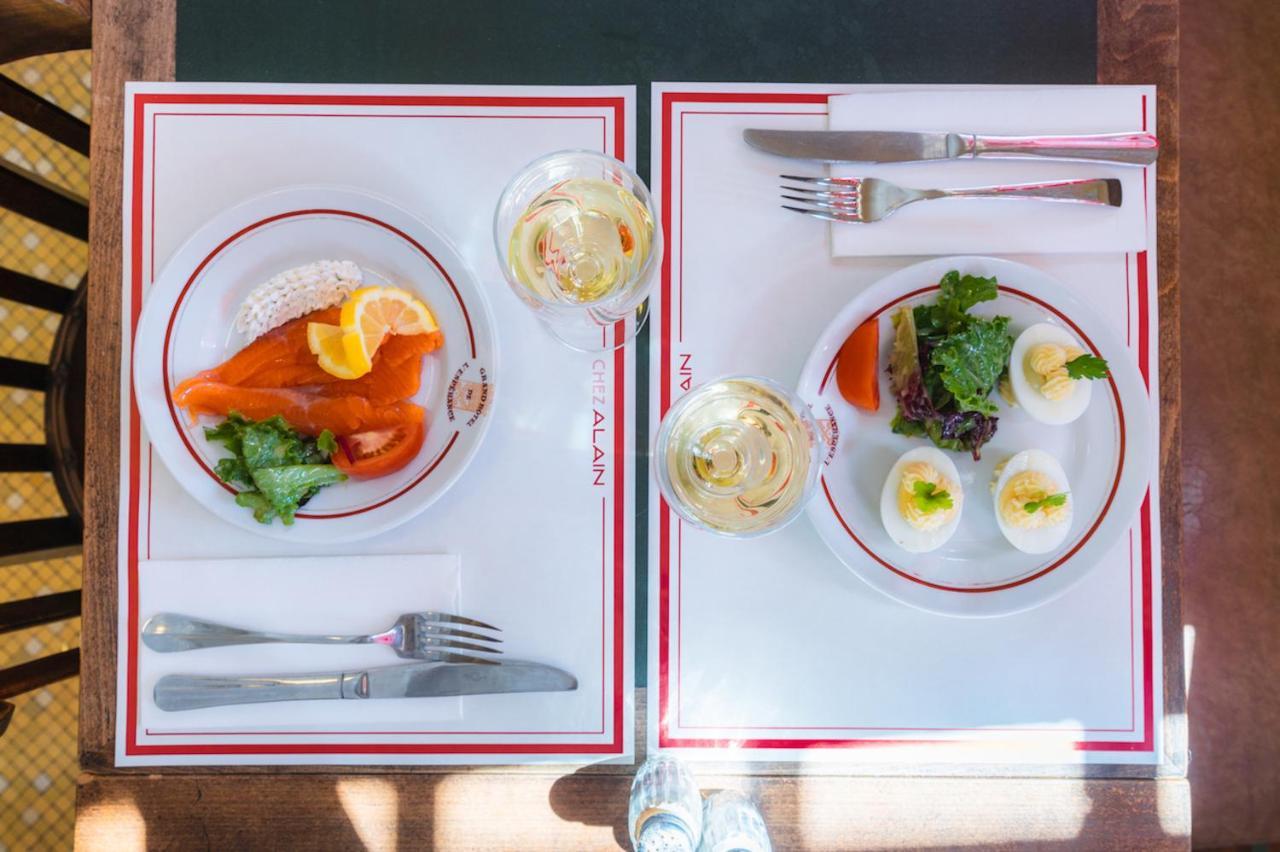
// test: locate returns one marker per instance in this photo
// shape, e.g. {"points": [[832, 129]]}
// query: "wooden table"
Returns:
{"points": [[537, 808]]}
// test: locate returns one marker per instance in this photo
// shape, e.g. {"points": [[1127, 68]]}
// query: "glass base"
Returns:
{"points": [[590, 334]]}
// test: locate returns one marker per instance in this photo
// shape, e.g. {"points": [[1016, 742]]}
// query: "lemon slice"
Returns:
{"points": [[372, 313], [325, 342]]}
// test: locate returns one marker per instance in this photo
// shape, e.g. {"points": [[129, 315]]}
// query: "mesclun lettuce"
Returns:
{"points": [[279, 468], [946, 362]]}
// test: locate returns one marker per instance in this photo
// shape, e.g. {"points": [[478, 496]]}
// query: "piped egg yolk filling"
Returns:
{"points": [[1046, 365], [920, 518], [1030, 486]]}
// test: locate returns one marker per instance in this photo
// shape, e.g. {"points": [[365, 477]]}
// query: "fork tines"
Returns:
{"points": [[846, 183], [456, 619], [834, 199], [435, 630]]}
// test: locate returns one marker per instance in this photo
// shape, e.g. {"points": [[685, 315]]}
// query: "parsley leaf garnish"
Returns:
{"points": [[1087, 367], [1052, 500], [929, 499]]}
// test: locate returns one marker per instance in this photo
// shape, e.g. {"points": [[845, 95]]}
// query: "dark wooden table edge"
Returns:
{"points": [[338, 810], [1137, 43]]}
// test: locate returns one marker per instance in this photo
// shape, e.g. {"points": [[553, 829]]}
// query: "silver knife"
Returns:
{"points": [[885, 146], [418, 680]]}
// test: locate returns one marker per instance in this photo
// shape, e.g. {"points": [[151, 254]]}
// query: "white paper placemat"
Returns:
{"points": [[770, 649], [542, 520], [994, 227]]}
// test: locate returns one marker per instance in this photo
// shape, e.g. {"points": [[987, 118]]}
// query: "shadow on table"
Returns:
{"points": [[592, 798], [830, 812]]}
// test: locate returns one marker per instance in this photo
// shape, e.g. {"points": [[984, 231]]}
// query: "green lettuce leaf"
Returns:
{"points": [[958, 294], [931, 429], [263, 511], [286, 488], [280, 468], [971, 361]]}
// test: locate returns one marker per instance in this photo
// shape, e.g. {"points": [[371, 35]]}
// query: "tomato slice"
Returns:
{"points": [[370, 454], [857, 367]]}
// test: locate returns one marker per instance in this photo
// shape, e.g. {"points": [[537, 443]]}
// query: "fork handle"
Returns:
{"points": [[1139, 149], [1103, 191], [169, 632]]}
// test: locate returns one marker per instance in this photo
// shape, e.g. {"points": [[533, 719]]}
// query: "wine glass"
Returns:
{"points": [[739, 456], [578, 241]]}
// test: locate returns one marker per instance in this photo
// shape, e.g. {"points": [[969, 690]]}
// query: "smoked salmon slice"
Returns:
{"points": [[281, 358], [278, 374], [284, 345], [307, 412]]}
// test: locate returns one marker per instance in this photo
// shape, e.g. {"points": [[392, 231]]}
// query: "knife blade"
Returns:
{"points": [[416, 680], [886, 146]]}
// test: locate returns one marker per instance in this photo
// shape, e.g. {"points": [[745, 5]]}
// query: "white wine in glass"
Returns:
{"points": [[578, 240], [738, 456]]}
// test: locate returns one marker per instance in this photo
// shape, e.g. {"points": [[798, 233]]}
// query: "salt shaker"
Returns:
{"points": [[731, 823], [666, 809]]}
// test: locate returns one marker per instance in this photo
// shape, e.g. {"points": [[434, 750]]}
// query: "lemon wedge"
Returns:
{"points": [[370, 314], [325, 342]]}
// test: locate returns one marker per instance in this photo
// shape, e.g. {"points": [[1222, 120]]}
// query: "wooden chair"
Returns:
{"points": [[33, 27], [29, 27]]}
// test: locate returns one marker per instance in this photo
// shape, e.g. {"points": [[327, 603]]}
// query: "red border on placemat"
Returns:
{"points": [[132, 746], [665, 740]]}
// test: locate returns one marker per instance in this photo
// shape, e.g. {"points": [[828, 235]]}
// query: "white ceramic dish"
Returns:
{"points": [[1106, 455], [187, 326]]}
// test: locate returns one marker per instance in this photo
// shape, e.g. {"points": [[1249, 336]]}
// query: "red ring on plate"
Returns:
{"points": [[1115, 486], [173, 315]]}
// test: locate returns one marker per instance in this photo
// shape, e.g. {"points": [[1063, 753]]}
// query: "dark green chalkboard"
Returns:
{"points": [[576, 42]]}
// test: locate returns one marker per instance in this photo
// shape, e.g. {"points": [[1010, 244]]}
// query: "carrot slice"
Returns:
{"points": [[857, 367]]}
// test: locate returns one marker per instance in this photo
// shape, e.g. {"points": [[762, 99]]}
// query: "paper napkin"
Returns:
{"points": [[324, 595], [995, 226]]}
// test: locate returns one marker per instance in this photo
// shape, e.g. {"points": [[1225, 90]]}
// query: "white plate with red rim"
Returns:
{"points": [[1106, 454], [187, 325]]}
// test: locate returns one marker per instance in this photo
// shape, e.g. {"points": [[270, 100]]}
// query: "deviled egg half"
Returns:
{"points": [[1033, 501], [1038, 374], [921, 500]]}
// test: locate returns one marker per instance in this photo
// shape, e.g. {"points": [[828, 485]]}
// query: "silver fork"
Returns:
{"points": [[415, 635], [863, 200]]}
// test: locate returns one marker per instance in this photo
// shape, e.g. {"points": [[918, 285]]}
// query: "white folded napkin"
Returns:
{"points": [[995, 226], [312, 594]]}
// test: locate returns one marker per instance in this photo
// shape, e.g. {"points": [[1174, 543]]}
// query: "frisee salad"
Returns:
{"points": [[946, 362]]}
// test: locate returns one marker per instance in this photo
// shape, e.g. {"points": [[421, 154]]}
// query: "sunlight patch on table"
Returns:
{"points": [[373, 806], [1173, 806], [884, 813], [119, 820]]}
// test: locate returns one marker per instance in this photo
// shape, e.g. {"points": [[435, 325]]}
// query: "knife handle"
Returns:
{"points": [[1139, 149], [190, 692]]}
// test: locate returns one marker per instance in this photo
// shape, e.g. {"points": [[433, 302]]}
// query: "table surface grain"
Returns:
{"points": [[560, 808]]}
